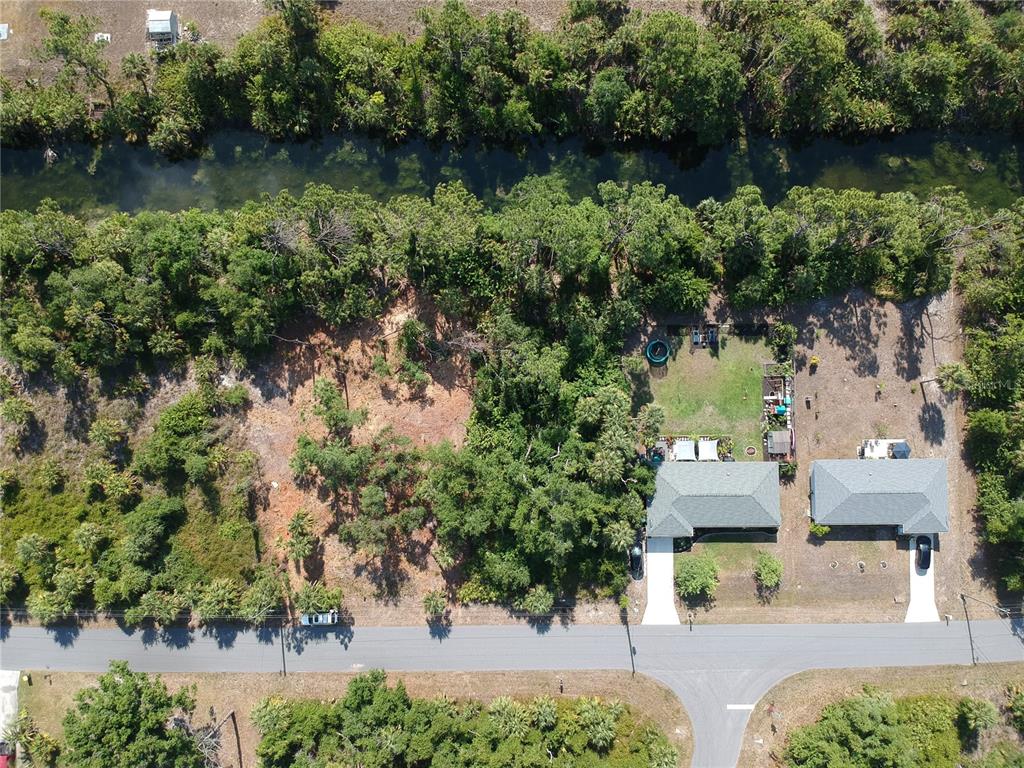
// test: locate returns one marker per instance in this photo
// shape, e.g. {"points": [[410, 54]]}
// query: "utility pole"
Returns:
{"points": [[284, 663], [970, 635], [632, 651]]}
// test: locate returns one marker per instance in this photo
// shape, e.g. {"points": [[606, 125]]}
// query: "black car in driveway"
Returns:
{"points": [[924, 552], [636, 561]]}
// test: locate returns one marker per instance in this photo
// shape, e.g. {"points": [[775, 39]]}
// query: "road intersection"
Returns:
{"points": [[719, 672]]}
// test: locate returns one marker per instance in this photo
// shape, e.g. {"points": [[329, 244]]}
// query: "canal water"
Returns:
{"points": [[240, 166]]}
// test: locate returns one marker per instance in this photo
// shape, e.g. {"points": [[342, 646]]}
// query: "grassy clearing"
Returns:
{"points": [[714, 394], [731, 557]]}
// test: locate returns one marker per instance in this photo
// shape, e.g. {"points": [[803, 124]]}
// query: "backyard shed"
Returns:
{"points": [[911, 495], [720, 495], [779, 442], [161, 27]]}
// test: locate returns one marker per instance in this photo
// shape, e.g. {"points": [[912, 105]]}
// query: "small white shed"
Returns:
{"points": [[161, 27]]}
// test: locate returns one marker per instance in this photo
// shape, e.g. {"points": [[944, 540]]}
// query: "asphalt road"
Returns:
{"points": [[718, 671]]}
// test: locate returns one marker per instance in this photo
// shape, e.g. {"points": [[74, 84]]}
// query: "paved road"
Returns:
{"points": [[710, 668]]}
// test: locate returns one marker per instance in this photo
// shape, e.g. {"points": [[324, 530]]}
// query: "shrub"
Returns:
{"points": [[47, 607], [434, 603], [929, 722], [413, 375], [977, 715], [314, 597], [107, 433], [330, 407], [379, 366], [768, 572], [51, 475], [220, 599], [135, 715], [9, 578], [1015, 706], [475, 591], [787, 470], [262, 598], [538, 601], [300, 537], [162, 607], [696, 576], [17, 416], [782, 339], [872, 729], [8, 482], [820, 531]]}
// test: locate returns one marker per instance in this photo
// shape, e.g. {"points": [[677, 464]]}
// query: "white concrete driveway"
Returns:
{"points": [[922, 588], [660, 572]]}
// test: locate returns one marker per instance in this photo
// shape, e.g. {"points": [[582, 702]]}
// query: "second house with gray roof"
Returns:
{"points": [[911, 494]]}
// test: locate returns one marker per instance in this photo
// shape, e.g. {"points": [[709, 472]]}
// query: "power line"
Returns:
{"points": [[970, 635]]}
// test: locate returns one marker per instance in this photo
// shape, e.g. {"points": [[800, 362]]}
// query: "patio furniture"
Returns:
{"points": [[707, 450], [683, 450]]}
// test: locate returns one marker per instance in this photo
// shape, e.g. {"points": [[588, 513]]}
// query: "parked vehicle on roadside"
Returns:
{"points": [[319, 619]]}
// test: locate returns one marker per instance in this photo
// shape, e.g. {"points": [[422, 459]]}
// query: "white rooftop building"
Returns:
{"points": [[161, 27]]}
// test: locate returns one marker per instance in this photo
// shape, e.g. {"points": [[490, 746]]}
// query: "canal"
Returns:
{"points": [[241, 166]]}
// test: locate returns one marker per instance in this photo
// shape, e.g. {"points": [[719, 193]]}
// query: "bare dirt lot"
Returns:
{"points": [[799, 700], [875, 379], [52, 693], [219, 21], [282, 400], [224, 21]]}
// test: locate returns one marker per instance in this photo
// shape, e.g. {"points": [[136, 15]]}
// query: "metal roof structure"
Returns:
{"points": [[779, 441], [742, 494], [161, 22], [911, 494]]}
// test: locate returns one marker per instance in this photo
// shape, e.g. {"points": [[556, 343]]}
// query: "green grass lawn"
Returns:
{"points": [[714, 395], [732, 557]]}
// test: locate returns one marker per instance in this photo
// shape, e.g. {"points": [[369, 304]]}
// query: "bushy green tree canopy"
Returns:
{"points": [[605, 71]]}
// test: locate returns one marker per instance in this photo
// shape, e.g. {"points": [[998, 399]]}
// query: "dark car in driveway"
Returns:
{"points": [[924, 552], [636, 561]]}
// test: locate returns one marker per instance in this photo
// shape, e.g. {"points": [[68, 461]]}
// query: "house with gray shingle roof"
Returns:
{"points": [[911, 494], [732, 495]]}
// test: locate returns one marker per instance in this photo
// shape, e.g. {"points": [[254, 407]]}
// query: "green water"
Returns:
{"points": [[241, 166]]}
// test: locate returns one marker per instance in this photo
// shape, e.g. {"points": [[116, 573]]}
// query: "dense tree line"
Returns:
{"points": [[84, 297], [605, 72], [545, 495], [992, 377], [373, 724], [130, 719], [875, 729]]}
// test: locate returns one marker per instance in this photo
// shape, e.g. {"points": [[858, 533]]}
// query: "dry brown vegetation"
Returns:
{"points": [[282, 394]]}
